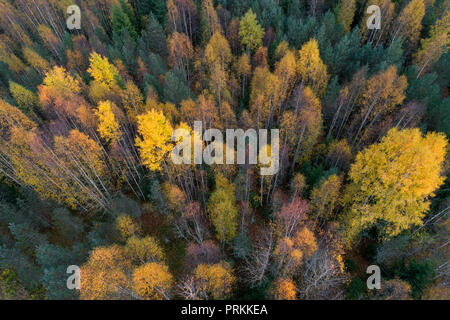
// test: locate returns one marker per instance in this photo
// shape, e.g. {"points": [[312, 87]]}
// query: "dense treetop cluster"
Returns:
{"points": [[86, 123]]}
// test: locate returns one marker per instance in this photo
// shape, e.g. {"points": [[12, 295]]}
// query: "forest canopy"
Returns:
{"points": [[90, 100]]}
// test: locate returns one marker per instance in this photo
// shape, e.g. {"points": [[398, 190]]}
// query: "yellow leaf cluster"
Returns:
{"points": [[310, 68], [59, 79], [284, 289], [391, 181], [155, 144], [108, 127], [217, 279], [104, 275], [126, 226], [152, 281], [143, 250], [102, 70]]}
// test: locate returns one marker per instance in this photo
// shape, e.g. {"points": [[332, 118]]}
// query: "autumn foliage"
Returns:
{"points": [[89, 120]]}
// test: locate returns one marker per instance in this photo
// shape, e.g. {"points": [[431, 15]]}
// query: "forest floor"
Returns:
{"points": [[158, 225]]}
